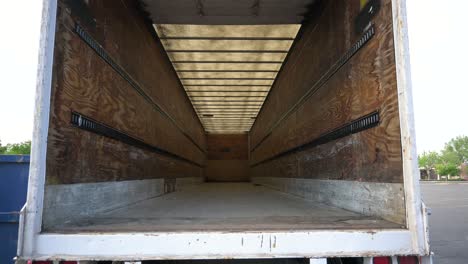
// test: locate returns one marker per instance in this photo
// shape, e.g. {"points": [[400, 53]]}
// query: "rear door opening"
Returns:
{"points": [[173, 116]]}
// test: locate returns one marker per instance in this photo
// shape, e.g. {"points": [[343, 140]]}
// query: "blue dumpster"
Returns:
{"points": [[14, 170]]}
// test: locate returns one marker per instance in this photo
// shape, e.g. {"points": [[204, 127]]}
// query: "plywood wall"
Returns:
{"points": [[85, 83], [366, 83], [227, 158]]}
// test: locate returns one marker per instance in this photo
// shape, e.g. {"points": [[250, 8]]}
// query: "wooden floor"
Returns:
{"points": [[224, 207]]}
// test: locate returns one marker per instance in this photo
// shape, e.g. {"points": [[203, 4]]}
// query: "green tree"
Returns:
{"points": [[22, 148], [428, 161], [448, 169], [2, 148], [456, 150]]}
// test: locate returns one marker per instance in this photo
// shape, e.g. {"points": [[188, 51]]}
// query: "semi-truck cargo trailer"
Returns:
{"points": [[254, 129]]}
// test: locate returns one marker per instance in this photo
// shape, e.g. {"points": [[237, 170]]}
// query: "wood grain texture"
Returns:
{"points": [[366, 83], [133, 43], [227, 146], [321, 43], [83, 82], [227, 170], [227, 158]]}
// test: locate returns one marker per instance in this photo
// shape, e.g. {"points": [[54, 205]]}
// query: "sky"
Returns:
{"points": [[438, 49], [19, 27]]}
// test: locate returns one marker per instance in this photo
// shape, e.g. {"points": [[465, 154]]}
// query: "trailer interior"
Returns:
{"points": [[218, 115]]}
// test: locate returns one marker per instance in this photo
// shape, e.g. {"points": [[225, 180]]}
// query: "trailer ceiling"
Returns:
{"points": [[227, 54], [228, 12]]}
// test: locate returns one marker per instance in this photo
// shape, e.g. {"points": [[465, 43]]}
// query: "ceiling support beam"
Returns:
{"points": [[227, 51], [238, 85], [248, 79], [226, 71], [229, 62], [226, 38]]}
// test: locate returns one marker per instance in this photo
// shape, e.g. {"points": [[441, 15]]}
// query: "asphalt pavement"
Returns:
{"points": [[448, 222]]}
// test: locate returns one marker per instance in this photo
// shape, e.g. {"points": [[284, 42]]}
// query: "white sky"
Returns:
{"points": [[438, 41], [19, 27]]}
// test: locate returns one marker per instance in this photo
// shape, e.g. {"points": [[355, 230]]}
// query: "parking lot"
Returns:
{"points": [[449, 221]]}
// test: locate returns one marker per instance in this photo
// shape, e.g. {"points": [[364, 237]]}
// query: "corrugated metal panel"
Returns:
{"points": [[14, 171], [227, 70]]}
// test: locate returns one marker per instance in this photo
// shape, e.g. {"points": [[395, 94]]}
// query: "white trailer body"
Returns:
{"points": [[40, 240]]}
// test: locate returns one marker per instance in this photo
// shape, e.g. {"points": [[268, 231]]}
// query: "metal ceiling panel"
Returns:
{"points": [[226, 44], [230, 93], [226, 56], [227, 70], [239, 31], [227, 81], [227, 67], [226, 104], [227, 75]]}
